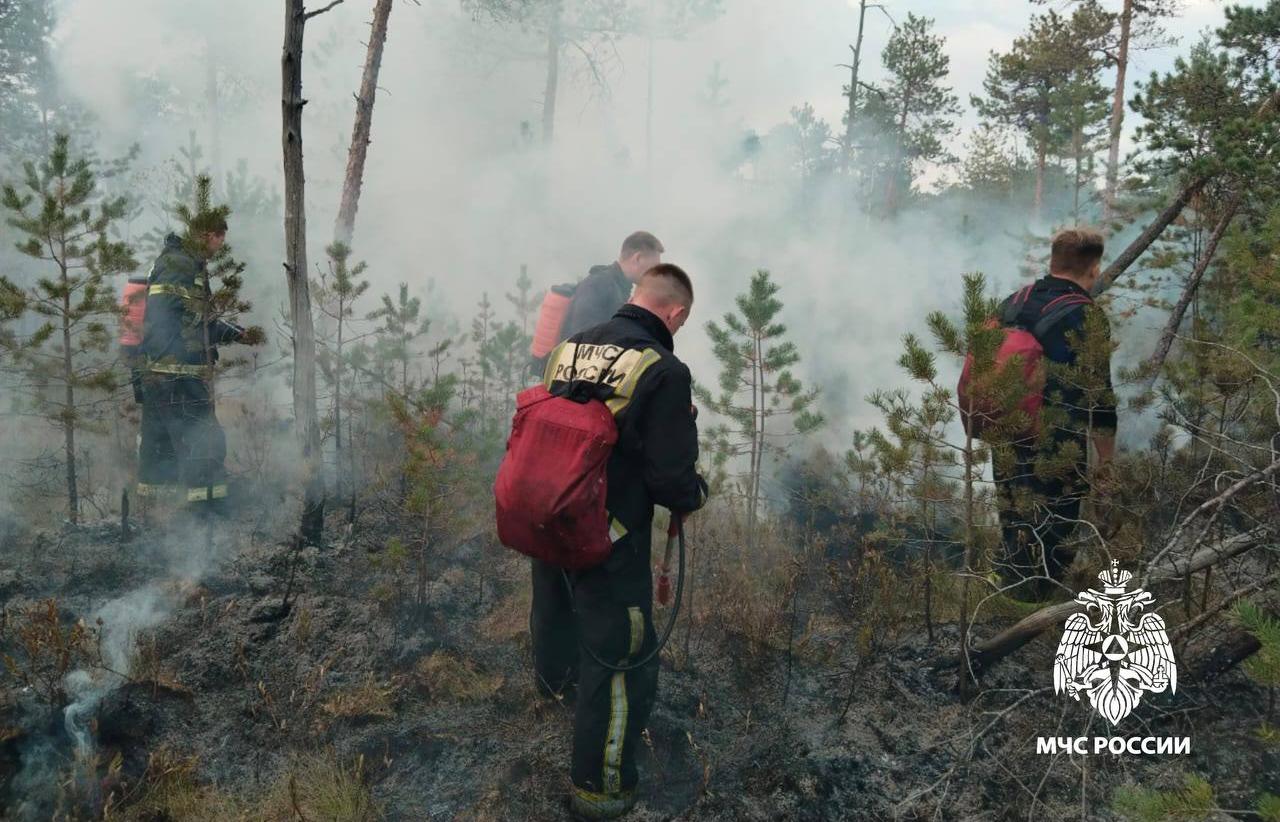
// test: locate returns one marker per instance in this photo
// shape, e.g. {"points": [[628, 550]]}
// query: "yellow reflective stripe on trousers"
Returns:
{"points": [[617, 730], [149, 489], [616, 530], [622, 394], [595, 805], [617, 733], [178, 368], [202, 494], [637, 630]]}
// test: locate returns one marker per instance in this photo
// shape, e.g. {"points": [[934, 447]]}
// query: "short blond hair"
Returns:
{"points": [[1075, 251]]}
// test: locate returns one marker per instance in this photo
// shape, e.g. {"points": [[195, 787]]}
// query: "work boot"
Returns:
{"points": [[585, 804]]}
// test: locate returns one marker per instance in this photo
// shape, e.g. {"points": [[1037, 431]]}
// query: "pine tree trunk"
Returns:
{"points": [[1157, 358], [306, 417], [69, 409], [338, 375], [648, 109], [1077, 138], [1148, 236], [847, 154], [1041, 151], [553, 76], [1117, 111], [215, 115], [891, 189], [966, 682], [346, 221]]}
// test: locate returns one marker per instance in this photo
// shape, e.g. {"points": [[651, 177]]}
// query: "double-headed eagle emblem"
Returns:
{"points": [[1118, 656]]}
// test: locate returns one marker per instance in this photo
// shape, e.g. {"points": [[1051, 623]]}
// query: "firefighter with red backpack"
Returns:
{"points": [[1070, 403], [608, 434], [568, 309], [171, 346]]}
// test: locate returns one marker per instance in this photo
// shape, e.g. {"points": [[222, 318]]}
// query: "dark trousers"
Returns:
{"points": [[183, 447], [614, 617], [1038, 513]]}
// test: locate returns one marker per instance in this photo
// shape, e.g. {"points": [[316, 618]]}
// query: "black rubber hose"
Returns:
{"points": [[671, 620]]}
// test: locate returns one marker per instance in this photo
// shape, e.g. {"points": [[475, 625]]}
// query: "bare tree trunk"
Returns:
{"points": [[1041, 151], [1077, 138], [215, 115], [967, 681], [1148, 236], [553, 76], [306, 416], [69, 410], [1157, 358], [648, 111], [1117, 112], [345, 223], [846, 155], [1227, 653]]}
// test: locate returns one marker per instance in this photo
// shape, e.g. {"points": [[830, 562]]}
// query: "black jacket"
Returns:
{"points": [[1087, 396], [628, 363], [171, 327], [604, 290]]}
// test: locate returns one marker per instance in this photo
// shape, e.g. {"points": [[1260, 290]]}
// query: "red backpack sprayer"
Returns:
{"points": [[550, 495]]}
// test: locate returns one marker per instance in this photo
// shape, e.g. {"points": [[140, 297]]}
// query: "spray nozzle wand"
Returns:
{"points": [[664, 574]]}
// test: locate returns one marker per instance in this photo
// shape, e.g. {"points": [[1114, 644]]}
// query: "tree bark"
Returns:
{"points": [[853, 89], [344, 226], [69, 410], [1235, 648], [553, 76], [1041, 152], [1117, 111], [1148, 236], [1157, 358], [306, 416]]}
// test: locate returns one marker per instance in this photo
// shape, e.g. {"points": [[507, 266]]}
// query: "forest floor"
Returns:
{"points": [[237, 707]]}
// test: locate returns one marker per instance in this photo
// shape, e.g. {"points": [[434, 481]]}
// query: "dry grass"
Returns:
{"points": [[368, 699], [146, 665], [509, 619], [169, 790], [320, 788], [317, 788], [448, 678]]}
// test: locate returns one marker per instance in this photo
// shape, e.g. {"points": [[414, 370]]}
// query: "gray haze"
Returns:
{"points": [[455, 195]]}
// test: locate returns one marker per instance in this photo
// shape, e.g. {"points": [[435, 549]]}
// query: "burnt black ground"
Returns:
{"points": [[243, 685]]}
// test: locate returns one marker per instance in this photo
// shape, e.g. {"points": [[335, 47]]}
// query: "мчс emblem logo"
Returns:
{"points": [[1117, 655]]}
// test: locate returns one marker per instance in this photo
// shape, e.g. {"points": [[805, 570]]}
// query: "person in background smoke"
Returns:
{"points": [[607, 287], [1041, 488], [628, 362], [182, 445]]}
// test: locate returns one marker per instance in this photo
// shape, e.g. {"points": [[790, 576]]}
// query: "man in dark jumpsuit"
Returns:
{"points": [[607, 287], [183, 447], [1041, 484], [627, 362]]}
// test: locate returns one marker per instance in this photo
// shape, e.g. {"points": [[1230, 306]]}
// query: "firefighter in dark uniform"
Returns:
{"points": [[607, 287], [627, 362], [1042, 487], [183, 447]]}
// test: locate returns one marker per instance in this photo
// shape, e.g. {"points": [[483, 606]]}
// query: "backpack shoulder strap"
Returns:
{"points": [[1013, 306], [1058, 310]]}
